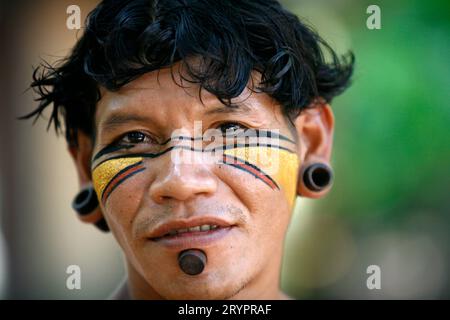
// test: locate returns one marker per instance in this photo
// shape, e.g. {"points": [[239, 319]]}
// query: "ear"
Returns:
{"points": [[314, 127], [81, 155]]}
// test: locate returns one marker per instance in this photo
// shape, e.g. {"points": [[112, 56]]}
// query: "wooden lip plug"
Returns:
{"points": [[192, 261]]}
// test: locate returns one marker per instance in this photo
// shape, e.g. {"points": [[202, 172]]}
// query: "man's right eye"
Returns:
{"points": [[134, 137]]}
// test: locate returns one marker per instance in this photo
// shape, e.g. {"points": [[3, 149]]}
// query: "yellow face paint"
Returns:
{"points": [[274, 165], [109, 174], [281, 165]]}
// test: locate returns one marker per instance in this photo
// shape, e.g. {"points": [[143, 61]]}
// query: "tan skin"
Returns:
{"points": [[246, 263]]}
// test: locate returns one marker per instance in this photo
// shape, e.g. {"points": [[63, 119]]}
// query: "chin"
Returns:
{"points": [[206, 287], [222, 278], [207, 292]]}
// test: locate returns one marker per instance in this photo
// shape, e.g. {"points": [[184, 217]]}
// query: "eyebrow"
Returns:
{"points": [[119, 119], [233, 108]]}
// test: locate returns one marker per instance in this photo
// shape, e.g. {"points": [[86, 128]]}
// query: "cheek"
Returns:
{"points": [[119, 184], [111, 174], [265, 180], [123, 206], [274, 169]]}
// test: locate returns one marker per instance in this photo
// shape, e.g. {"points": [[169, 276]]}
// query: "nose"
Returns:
{"points": [[182, 182]]}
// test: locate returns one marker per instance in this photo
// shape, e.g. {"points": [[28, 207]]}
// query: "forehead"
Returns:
{"points": [[164, 94]]}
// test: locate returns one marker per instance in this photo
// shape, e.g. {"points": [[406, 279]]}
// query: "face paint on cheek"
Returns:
{"points": [[276, 167], [110, 174]]}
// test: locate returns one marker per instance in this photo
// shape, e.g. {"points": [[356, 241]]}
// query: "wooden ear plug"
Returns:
{"points": [[192, 261]]}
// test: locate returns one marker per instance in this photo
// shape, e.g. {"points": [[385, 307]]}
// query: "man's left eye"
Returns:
{"points": [[231, 127], [134, 137]]}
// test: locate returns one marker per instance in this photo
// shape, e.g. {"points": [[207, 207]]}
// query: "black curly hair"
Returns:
{"points": [[124, 39]]}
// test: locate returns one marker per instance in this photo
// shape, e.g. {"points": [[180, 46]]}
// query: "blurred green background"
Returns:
{"points": [[390, 202], [389, 205]]}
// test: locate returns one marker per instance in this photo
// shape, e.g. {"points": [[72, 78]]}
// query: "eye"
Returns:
{"points": [[230, 128], [134, 137]]}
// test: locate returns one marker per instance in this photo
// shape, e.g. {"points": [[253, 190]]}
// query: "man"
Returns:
{"points": [[194, 125]]}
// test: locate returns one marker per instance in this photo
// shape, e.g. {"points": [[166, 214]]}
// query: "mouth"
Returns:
{"points": [[198, 232], [188, 231]]}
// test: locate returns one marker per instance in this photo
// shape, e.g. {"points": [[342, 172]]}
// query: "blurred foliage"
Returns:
{"points": [[392, 137], [391, 157]]}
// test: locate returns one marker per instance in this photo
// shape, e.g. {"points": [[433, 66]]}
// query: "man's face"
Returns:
{"points": [[148, 198]]}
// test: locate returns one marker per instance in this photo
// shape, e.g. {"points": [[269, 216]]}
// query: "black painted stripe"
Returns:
{"points": [[119, 173], [251, 134], [242, 161], [120, 182], [110, 149], [221, 148], [245, 133]]}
